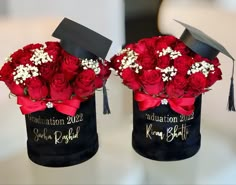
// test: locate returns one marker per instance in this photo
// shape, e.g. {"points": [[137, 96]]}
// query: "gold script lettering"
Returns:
{"points": [[43, 135], [170, 134], [71, 135], [150, 132], [176, 131]]}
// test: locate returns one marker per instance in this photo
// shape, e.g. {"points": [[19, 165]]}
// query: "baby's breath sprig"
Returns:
{"points": [[168, 73], [169, 51], [40, 56], [91, 64], [129, 61], [203, 67], [23, 72]]}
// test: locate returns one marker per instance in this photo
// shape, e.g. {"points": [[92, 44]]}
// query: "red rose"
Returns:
{"points": [[163, 61], [152, 81], [25, 58], [104, 69], [147, 61], [84, 84], [182, 48], [37, 90], [103, 75], [6, 72], [53, 49], [47, 70], [149, 42], [147, 46], [180, 81], [140, 47], [164, 42], [214, 76], [60, 88], [176, 87], [161, 45], [130, 79], [17, 54], [31, 47], [197, 84], [70, 65], [215, 62], [174, 92], [130, 46], [53, 45], [116, 61], [146, 52], [183, 64], [15, 89], [98, 82], [21, 57], [169, 39], [6, 75]]}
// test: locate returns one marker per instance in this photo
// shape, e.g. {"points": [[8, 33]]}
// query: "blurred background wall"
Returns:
{"points": [[141, 19], [103, 16], [3, 8], [122, 20]]}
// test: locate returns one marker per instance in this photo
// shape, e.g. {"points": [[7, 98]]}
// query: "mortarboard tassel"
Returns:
{"points": [[231, 106], [106, 108]]}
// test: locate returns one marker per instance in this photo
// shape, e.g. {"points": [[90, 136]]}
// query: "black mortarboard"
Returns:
{"points": [[80, 41], [83, 42], [207, 47]]}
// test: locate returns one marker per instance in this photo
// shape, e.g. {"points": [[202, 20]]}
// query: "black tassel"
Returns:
{"points": [[106, 108], [231, 106]]}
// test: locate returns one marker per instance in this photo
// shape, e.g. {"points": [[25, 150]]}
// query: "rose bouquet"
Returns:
{"points": [[55, 84], [163, 70], [168, 77], [56, 92], [45, 76]]}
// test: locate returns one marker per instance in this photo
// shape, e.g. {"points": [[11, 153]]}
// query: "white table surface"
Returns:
{"points": [[116, 162]]}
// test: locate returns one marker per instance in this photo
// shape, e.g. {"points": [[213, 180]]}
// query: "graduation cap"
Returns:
{"points": [[83, 42], [207, 47]]}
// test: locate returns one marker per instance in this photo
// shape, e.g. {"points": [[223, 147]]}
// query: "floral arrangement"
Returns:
{"points": [[162, 70], [45, 76]]}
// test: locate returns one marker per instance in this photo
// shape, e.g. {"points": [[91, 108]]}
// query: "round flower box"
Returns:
{"points": [[57, 140], [161, 134]]}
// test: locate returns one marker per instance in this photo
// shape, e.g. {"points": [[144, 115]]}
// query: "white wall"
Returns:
{"points": [[103, 16]]}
